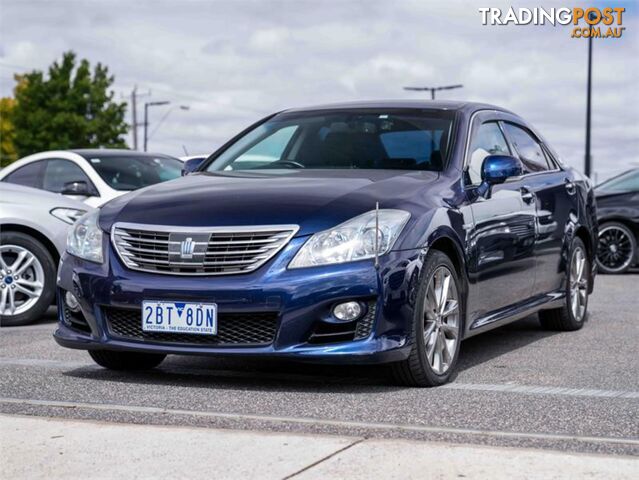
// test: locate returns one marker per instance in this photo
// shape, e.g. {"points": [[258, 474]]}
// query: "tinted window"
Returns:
{"points": [[626, 182], [30, 175], [417, 144], [530, 152], [59, 172], [123, 172], [268, 150], [489, 140], [401, 139]]}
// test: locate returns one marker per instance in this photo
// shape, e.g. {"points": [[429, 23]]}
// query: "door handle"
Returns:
{"points": [[570, 187], [527, 195]]}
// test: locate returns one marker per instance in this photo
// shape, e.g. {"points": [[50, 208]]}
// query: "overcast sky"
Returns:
{"points": [[233, 62]]}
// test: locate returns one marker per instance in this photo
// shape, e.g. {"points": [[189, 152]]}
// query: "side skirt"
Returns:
{"points": [[516, 312]]}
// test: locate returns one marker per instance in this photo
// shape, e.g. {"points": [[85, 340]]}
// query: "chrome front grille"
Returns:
{"points": [[198, 250]]}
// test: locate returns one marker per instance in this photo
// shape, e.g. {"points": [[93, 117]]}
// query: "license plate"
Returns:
{"points": [[179, 317]]}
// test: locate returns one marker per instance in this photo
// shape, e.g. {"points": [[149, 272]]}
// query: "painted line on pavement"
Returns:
{"points": [[42, 362], [314, 421], [539, 390], [479, 387]]}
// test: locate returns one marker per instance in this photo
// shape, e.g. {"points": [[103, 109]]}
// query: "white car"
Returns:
{"points": [[200, 157], [33, 236], [92, 176]]}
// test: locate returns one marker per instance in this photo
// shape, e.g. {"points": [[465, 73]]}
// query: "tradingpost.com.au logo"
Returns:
{"points": [[588, 22]]}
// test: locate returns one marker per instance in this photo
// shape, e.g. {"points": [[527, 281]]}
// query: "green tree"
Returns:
{"points": [[8, 151], [72, 108]]}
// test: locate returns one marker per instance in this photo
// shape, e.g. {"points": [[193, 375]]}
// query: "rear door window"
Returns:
{"points": [[529, 150], [30, 175]]}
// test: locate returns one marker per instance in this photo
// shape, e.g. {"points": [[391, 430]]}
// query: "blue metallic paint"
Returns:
{"points": [[498, 168], [510, 254]]}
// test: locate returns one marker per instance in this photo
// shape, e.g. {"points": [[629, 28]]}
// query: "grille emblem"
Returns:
{"points": [[186, 248]]}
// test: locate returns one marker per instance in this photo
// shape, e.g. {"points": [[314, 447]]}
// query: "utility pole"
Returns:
{"points": [[432, 90], [587, 163], [146, 118], [134, 114]]}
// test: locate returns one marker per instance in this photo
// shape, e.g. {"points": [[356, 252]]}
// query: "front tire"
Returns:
{"points": [[437, 326], [27, 279], [572, 315], [126, 361]]}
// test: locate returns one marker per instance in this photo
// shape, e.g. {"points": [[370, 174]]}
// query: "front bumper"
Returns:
{"points": [[301, 300]]}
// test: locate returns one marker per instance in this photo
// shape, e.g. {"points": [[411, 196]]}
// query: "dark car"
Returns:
{"points": [[357, 233], [618, 214]]}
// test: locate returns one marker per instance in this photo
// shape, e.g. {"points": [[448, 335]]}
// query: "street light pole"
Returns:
{"points": [[146, 118], [168, 112], [587, 166], [432, 90]]}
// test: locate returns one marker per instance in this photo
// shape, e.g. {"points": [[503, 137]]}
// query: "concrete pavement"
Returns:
{"points": [[523, 398], [34, 448]]}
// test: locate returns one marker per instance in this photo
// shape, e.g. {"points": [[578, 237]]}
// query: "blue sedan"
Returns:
{"points": [[381, 232]]}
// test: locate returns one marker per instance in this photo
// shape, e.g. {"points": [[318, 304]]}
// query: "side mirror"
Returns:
{"points": [[79, 187], [191, 165], [497, 169]]}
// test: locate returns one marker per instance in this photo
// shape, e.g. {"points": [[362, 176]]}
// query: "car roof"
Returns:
{"points": [[88, 153], [467, 107]]}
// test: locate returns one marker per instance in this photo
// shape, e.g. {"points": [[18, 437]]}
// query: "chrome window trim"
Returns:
{"points": [[180, 229], [541, 145]]}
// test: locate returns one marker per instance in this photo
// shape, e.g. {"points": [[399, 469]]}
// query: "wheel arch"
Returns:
{"points": [[584, 235], [632, 226], [12, 227], [445, 242]]}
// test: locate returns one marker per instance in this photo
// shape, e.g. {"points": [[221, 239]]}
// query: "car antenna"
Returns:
{"points": [[377, 235]]}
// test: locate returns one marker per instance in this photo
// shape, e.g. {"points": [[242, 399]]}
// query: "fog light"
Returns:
{"points": [[347, 311], [71, 302]]}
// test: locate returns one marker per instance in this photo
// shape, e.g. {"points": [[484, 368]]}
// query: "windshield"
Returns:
{"points": [[626, 182], [404, 139], [135, 171]]}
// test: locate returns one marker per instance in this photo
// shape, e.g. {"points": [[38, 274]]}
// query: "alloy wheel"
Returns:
{"points": [[578, 284], [615, 249], [441, 320], [21, 280]]}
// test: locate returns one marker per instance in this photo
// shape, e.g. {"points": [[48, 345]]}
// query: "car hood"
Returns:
{"points": [[314, 200]]}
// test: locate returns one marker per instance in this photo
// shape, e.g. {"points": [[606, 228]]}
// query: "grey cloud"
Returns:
{"points": [[235, 61]]}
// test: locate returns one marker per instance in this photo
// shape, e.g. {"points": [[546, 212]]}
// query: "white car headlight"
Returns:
{"points": [[67, 215], [84, 239], [353, 240]]}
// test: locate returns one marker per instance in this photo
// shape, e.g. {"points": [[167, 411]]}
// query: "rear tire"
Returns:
{"points": [[421, 368], [572, 315], [617, 248], [126, 361]]}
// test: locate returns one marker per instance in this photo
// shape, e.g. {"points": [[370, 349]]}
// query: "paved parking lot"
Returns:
{"points": [[517, 386]]}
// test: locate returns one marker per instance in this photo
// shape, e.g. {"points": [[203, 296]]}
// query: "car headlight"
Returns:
{"points": [[84, 239], [353, 240], [67, 215]]}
